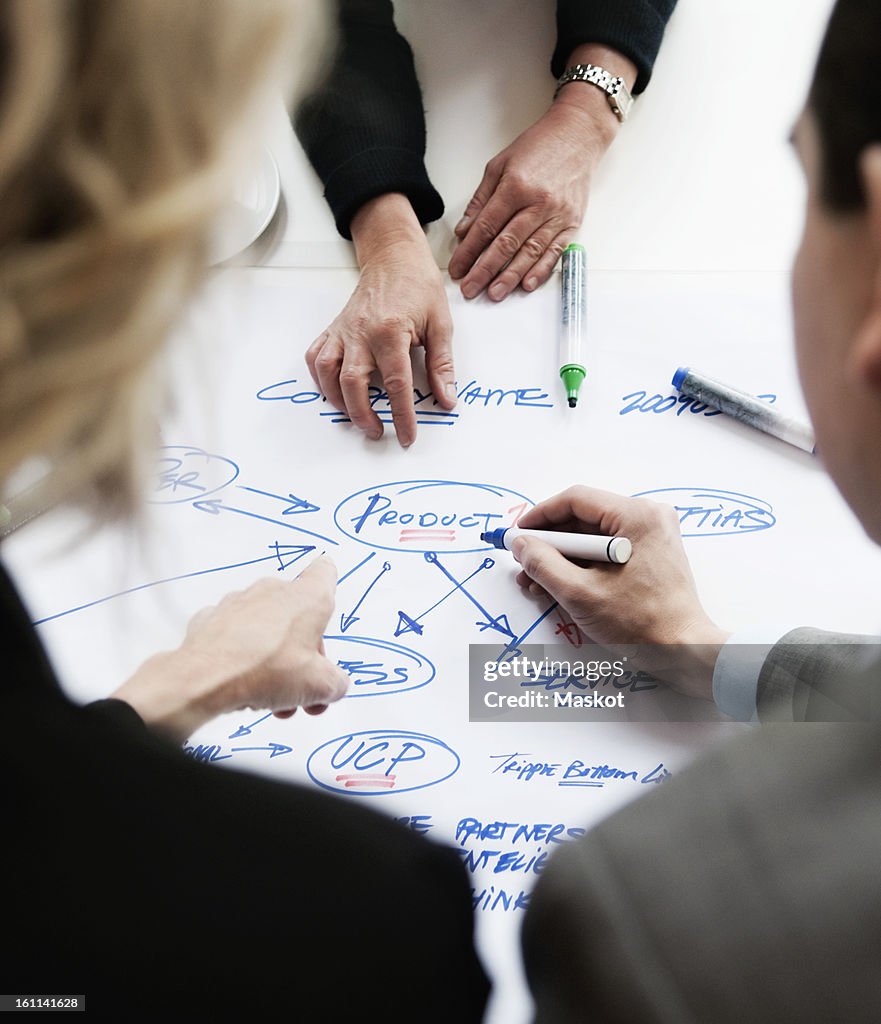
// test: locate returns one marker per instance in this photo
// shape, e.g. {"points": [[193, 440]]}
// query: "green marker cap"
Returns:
{"points": [[572, 375]]}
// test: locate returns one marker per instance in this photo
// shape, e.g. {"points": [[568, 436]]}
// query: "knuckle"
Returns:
{"points": [[484, 230], [443, 364], [325, 362], [314, 350], [265, 587], [508, 244], [396, 383], [391, 326], [533, 247], [655, 513], [517, 184], [555, 250], [351, 376], [361, 323]]}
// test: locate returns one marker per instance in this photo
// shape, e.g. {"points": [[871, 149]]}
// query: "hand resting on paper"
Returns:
{"points": [[651, 600], [398, 304], [258, 648], [528, 206], [533, 194]]}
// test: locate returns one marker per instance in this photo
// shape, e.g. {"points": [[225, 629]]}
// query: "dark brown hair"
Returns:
{"points": [[845, 99]]}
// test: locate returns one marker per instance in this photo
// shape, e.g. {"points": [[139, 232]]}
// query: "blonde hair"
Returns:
{"points": [[120, 129]]}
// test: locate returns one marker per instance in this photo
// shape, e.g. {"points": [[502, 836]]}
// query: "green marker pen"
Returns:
{"points": [[574, 318]]}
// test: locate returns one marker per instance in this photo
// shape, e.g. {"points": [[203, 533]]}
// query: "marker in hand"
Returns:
{"points": [[573, 545]]}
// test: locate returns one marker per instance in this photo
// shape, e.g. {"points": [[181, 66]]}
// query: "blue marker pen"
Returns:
{"points": [[741, 405], [573, 545]]}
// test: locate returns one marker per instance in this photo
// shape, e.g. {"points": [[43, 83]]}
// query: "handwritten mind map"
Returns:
{"points": [[265, 476], [425, 572]]}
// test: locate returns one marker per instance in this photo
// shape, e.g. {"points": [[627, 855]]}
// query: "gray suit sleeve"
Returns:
{"points": [[580, 920], [812, 675]]}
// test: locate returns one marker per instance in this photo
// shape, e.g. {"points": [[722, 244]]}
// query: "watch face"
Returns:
{"points": [[621, 102]]}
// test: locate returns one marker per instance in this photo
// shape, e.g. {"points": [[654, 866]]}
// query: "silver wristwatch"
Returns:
{"points": [[617, 93]]}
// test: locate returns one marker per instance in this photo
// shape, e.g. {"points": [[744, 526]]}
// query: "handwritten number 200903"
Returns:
{"points": [[641, 401]]}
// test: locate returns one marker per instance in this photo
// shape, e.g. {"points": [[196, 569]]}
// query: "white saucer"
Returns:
{"points": [[254, 202]]}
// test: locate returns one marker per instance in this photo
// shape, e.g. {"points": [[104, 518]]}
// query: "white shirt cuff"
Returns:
{"points": [[738, 667]]}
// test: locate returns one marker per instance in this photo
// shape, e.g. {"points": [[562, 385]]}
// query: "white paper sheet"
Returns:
{"points": [[260, 474]]}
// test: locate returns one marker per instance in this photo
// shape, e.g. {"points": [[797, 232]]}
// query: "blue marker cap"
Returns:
{"points": [[495, 537], [679, 376]]}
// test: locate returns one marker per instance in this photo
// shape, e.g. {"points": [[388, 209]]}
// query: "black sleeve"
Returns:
{"points": [[633, 27], [363, 128], [116, 712]]}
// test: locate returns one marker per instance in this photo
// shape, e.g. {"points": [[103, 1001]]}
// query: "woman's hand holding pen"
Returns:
{"points": [[652, 600], [398, 304], [258, 648]]}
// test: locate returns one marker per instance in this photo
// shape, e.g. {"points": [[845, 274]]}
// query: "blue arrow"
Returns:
{"points": [[411, 624], [215, 506], [168, 579], [347, 621], [501, 623], [287, 554], [277, 749], [408, 625], [513, 648], [354, 569], [245, 730], [295, 505]]}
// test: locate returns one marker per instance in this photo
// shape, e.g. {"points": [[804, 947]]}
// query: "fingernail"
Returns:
{"points": [[470, 290], [463, 223], [530, 283], [452, 394], [498, 291]]}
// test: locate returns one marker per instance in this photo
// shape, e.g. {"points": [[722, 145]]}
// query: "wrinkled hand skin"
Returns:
{"points": [[398, 304], [259, 648], [533, 195]]}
